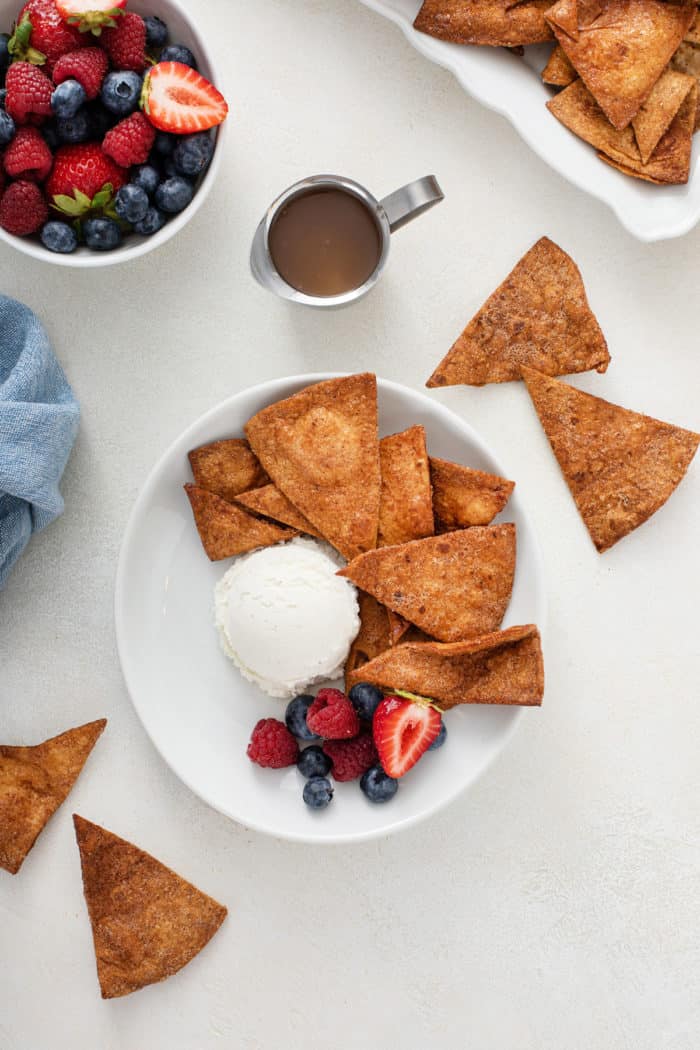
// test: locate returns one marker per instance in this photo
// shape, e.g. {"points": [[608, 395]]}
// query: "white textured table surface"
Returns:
{"points": [[557, 904]]}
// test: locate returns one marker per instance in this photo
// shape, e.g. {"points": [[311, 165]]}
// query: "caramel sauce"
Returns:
{"points": [[325, 242]]}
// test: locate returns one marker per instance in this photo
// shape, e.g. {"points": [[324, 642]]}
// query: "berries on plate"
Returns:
{"points": [[102, 235], [177, 98], [179, 53], [192, 154], [318, 792], [332, 716], [121, 92], [7, 128], [28, 156], [59, 237], [440, 738], [67, 99], [74, 129], [126, 42], [90, 16], [377, 785], [23, 208], [152, 221], [351, 758], [131, 203], [29, 92], [174, 194], [365, 698], [314, 762], [147, 177], [88, 66], [403, 731], [295, 718], [272, 745], [129, 142], [156, 32]]}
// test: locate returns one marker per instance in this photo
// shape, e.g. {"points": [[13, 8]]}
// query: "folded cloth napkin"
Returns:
{"points": [[38, 423]]}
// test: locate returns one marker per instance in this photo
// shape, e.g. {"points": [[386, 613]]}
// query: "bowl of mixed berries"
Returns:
{"points": [[110, 127]]}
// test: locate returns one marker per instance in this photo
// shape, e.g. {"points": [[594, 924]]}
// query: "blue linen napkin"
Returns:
{"points": [[38, 424]]}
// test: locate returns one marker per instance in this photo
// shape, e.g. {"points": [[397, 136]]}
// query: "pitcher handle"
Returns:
{"points": [[411, 201]]}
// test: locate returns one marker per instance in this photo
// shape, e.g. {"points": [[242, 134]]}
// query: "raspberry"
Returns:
{"points": [[126, 43], [28, 92], [332, 716], [272, 745], [88, 66], [351, 758], [23, 208], [28, 156], [130, 141]]}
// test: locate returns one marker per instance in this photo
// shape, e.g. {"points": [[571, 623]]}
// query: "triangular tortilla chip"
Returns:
{"points": [[622, 49], [670, 162], [226, 468], [34, 781], [655, 116], [147, 922], [464, 497], [492, 22], [454, 586], [272, 503], [564, 16], [373, 636], [559, 72], [321, 448], [405, 505], [505, 667], [693, 34], [620, 466], [398, 627], [687, 60], [226, 529], [539, 317]]}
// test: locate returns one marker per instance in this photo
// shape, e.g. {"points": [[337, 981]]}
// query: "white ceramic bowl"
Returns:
{"points": [[196, 707], [181, 32]]}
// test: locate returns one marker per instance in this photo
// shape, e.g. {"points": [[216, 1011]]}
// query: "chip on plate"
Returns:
{"points": [[559, 72], [504, 667], [272, 503], [225, 529], [227, 468], [463, 496], [654, 118], [405, 505], [538, 317], [687, 60], [372, 638], [453, 587], [147, 922], [321, 448], [492, 22], [34, 781], [621, 49], [620, 466], [670, 161]]}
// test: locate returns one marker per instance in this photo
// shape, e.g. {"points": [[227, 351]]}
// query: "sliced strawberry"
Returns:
{"points": [[403, 731], [179, 99], [90, 16]]}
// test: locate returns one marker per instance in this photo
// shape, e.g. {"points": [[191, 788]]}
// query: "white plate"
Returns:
{"points": [[512, 86], [198, 710]]}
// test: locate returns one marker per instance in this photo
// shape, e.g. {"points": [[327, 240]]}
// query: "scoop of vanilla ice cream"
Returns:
{"points": [[284, 617]]}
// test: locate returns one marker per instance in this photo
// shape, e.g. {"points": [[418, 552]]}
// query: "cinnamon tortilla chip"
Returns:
{"points": [[504, 667], [687, 60], [464, 497], [34, 781], [321, 449], [654, 118], [272, 503], [453, 587], [405, 505], [226, 468], [620, 466], [398, 627], [539, 316], [372, 638], [559, 72], [147, 922], [492, 22], [693, 34], [226, 529], [622, 48]]}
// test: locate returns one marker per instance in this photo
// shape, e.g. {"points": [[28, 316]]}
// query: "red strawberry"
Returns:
{"points": [[41, 35], [84, 168], [90, 16], [126, 43], [23, 209], [28, 92], [88, 66], [130, 141], [178, 98], [28, 156], [403, 731]]}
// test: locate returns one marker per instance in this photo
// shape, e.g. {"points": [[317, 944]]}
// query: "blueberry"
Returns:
{"points": [[74, 129], [295, 717], [169, 169], [48, 130], [377, 786], [59, 237], [178, 53], [121, 92], [131, 203], [165, 143], [365, 699], [153, 221], [147, 177], [4, 53], [101, 120], [193, 153], [67, 99], [102, 235], [313, 762], [7, 128], [3, 96], [318, 792], [440, 738], [156, 31], [174, 194]]}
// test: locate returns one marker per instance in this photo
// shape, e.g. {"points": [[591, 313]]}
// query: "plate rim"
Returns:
{"points": [[270, 388]]}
